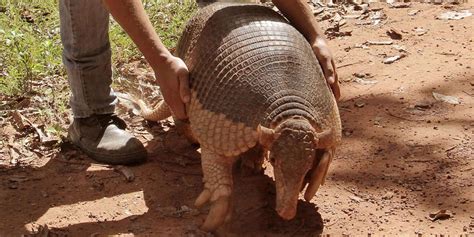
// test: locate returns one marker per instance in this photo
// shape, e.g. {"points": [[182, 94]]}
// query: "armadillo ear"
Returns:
{"points": [[266, 136], [322, 137]]}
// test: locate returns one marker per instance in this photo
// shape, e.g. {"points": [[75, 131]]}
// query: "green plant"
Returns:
{"points": [[168, 17], [30, 44]]}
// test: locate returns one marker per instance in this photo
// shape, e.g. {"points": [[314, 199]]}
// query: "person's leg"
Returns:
{"points": [[87, 58]]}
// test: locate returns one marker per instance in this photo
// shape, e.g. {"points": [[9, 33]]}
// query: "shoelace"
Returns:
{"points": [[106, 120]]}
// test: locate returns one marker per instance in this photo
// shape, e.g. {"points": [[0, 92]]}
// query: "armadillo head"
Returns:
{"points": [[292, 153]]}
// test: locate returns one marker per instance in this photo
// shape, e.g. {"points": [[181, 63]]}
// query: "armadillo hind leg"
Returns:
{"points": [[318, 173], [218, 185]]}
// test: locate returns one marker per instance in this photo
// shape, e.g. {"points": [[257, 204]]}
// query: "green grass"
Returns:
{"points": [[30, 46]]}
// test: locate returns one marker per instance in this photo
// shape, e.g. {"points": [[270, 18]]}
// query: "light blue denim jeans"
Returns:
{"points": [[87, 56]]}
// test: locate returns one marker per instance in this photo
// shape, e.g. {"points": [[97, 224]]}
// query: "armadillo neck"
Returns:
{"points": [[287, 104]]}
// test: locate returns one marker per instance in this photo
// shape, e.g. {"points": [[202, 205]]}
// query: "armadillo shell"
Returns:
{"points": [[249, 66]]}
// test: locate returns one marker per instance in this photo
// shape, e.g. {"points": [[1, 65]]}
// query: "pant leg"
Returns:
{"points": [[87, 56]]}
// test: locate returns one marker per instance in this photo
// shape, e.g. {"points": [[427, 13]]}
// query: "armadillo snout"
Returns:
{"points": [[293, 155], [287, 212]]}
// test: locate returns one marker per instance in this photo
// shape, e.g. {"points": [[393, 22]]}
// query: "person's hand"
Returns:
{"points": [[326, 60], [173, 78]]}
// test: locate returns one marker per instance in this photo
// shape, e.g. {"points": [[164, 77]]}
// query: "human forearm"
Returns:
{"points": [[172, 73], [131, 16], [301, 17]]}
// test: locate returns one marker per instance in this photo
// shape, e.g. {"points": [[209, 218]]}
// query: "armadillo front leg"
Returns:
{"points": [[218, 184]]}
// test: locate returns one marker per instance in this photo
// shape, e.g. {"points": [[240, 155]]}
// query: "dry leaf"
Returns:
{"points": [[446, 98], [126, 172], [452, 15], [440, 215]]}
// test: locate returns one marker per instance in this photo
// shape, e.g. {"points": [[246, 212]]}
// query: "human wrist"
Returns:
{"points": [[318, 41], [159, 60]]}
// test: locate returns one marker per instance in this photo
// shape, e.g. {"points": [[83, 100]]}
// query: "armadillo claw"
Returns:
{"points": [[203, 198], [317, 176], [218, 214]]}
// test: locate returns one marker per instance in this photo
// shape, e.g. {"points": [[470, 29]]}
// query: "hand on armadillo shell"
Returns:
{"points": [[172, 76], [326, 60]]}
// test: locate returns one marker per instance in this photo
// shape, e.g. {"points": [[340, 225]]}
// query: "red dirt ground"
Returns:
{"points": [[404, 155]]}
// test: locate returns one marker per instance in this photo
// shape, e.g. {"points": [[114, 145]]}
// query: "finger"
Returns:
{"points": [[184, 91], [336, 90], [335, 86], [178, 108], [328, 71]]}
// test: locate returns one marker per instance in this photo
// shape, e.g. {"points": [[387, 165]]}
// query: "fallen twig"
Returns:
{"points": [[452, 148], [403, 118], [420, 161], [71, 162], [469, 94], [369, 42], [182, 164], [345, 109], [246, 213], [126, 172], [181, 172], [333, 223], [349, 64]]}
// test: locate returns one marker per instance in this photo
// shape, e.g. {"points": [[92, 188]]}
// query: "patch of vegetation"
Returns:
{"points": [[30, 46], [29, 43]]}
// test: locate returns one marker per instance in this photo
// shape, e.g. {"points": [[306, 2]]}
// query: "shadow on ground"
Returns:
{"points": [[72, 199]]}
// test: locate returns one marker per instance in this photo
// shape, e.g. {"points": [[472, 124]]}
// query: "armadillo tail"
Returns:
{"points": [[160, 112]]}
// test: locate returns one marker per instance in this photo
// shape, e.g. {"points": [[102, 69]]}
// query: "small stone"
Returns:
{"points": [[388, 195], [394, 34], [413, 12], [355, 198], [13, 185], [359, 104]]}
